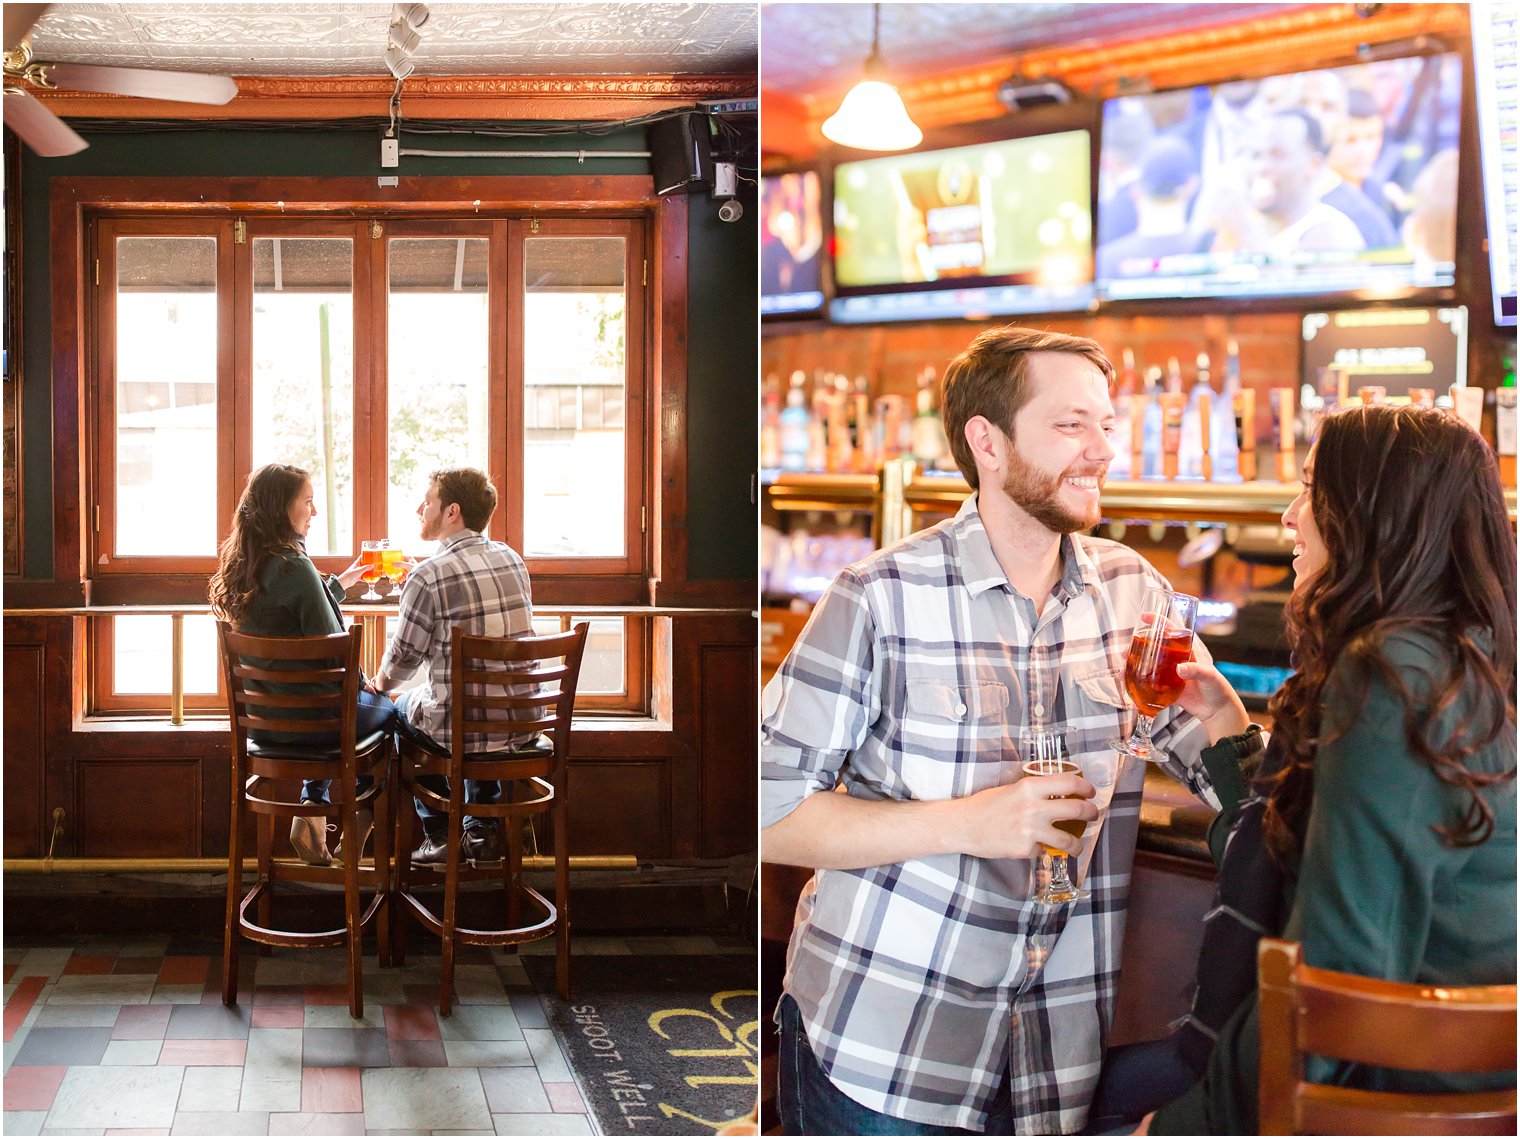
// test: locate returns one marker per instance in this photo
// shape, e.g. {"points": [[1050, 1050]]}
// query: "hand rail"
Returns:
{"points": [[371, 613]]}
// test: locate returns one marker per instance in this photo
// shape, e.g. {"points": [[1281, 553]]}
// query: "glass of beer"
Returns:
{"points": [[372, 555], [1163, 639], [1052, 880], [391, 564]]}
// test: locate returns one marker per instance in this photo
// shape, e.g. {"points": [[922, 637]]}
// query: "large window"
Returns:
{"points": [[369, 352]]}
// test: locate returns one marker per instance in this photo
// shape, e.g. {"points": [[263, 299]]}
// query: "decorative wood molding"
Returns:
{"points": [[554, 97], [1298, 37]]}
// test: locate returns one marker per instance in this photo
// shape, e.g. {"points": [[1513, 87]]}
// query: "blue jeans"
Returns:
{"points": [[435, 823], [811, 1105], [1136, 1080], [376, 713]]}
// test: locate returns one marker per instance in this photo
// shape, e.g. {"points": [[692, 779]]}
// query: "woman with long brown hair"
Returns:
{"points": [[267, 586], [1379, 830]]}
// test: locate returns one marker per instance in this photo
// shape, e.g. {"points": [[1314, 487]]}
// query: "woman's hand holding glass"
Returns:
{"points": [[1162, 642], [1211, 700]]}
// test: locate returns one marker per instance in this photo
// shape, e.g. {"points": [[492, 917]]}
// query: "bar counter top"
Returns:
{"points": [[1172, 820]]}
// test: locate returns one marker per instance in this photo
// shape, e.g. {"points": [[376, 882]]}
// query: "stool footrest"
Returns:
{"points": [[319, 939], [541, 929]]}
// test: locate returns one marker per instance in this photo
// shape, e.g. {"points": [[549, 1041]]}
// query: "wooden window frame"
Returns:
{"points": [[87, 211]]}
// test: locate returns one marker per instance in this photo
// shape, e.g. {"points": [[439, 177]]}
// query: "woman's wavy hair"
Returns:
{"points": [[260, 526], [1417, 538]]}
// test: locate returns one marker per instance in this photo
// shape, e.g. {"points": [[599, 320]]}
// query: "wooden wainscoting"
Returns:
{"points": [[683, 790]]}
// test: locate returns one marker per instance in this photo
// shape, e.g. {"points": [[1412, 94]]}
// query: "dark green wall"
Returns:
{"points": [[723, 335]]}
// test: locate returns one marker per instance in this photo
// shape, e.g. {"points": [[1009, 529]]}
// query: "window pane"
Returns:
{"points": [[439, 352], [166, 452], [144, 655], [303, 374], [574, 356], [604, 669]]}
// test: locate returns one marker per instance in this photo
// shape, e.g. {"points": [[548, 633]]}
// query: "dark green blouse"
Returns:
{"points": [[1377, 892], [293, 600]]}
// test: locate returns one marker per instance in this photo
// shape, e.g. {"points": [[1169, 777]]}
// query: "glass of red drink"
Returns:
{"points": [[1163, 639]]}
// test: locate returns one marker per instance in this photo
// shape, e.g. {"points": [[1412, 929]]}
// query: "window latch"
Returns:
{"points": [[375, 230], [240, 232]]}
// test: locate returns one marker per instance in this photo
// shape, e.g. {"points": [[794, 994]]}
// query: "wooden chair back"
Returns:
{"points": [[330, 664], [1412, 1027], [514, 688]]}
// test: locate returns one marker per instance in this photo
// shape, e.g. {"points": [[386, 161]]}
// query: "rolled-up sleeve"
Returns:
{"points": [[821, 703], [410, 646]]}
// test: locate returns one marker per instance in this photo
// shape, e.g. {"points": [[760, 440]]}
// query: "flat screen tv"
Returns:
{"points": [[994, 228], [1340, 181], [791, 243], [1494, 74]]}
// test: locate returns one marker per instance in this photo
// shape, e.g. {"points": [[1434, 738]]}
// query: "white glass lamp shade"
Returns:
{"points": [[872, 117]]}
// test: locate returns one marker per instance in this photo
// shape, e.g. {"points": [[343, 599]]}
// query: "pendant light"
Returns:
{"points": [[872, 116]]}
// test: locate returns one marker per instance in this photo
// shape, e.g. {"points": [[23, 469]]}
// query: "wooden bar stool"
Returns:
{"points": [[534, 710], [1411, 1027], [260, 770]]}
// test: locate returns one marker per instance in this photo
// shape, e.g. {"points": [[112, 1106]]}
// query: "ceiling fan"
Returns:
{"points": [[49, 135]]}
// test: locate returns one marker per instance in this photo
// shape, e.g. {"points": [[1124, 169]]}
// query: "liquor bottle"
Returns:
{"points": [[818, 446], [929, 444], [794, 426], [1173, 375], [1245, 433], [1173, 407], [1193, 451], [841, 450], [867, 453], [770, 424], [890, 418], [1123, 395], [1226, 444], [1150, 441], [1284, 420]]}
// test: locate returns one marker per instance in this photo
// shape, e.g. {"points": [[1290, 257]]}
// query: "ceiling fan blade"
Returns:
{"points": [[20, 19], [39, 128], [176, 86]]}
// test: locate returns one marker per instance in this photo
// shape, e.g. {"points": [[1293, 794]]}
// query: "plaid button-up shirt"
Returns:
{"points": [[473, 582], [914, 680]]}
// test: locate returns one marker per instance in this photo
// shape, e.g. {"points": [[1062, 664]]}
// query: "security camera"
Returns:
{"points": [[730, 210]]}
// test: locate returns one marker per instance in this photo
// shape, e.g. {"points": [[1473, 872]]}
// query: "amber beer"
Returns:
{"points": [[1150, 673], [373, 561], [1073, 827]]}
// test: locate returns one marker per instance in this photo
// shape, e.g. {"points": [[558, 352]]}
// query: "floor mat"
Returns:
{"points": [[662, 1045]]}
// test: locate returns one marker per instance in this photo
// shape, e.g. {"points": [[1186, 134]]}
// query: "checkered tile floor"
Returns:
{"points": [[128, 1036]]}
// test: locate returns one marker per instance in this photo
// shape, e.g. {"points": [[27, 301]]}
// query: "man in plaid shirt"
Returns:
{"points": [[925, 993], [479, 585]]}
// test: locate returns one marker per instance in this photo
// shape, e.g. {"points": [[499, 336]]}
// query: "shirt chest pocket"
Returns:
{"points": [[1098, 703], [956, 738], [967, 705]]}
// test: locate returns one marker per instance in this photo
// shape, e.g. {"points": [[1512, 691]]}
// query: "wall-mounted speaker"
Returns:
{"points": [[680, 150]]}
